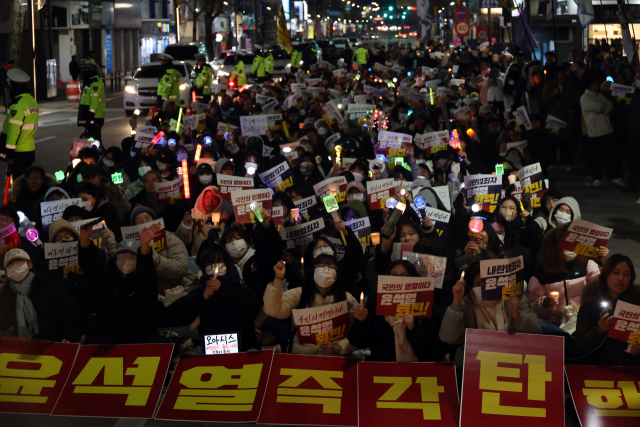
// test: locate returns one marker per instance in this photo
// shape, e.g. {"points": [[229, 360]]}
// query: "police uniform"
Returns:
{"points": [[20, 125], [204, 79], [361, 56], [92, 102], [269, 65], [239, 74], [296, 59], [169, 83]]}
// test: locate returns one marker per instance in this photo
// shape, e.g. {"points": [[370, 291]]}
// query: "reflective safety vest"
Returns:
{"points": [[259, 66], [361, 55], [204, 79], [270, 63], [296, 57], [20, 125], [239, 74], [169, 86], [93, 101]]}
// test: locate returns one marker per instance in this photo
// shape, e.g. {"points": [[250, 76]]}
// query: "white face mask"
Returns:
{"points": [[322, 131], [18, 271], [126, 263], [324, 276], [211, 269], [87, 206], [355, 196], [357, 176], [108, 163], [477, 292], [322, 250], [562, 217], [249, 165], [205, 179], [143, 170], [161, 165], [569, 256], [237, 248], [503, 154], [501, 237]]}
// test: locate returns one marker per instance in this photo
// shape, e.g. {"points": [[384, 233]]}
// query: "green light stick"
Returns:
{"points": [[254, 208], [331, 204]]}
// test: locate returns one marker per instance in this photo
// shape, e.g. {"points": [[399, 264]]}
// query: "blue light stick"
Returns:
{"points": [[421, 204]]}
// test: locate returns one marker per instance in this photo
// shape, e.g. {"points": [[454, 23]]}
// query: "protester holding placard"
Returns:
{"points": [[482, 245], [29, 189], [306, 174], [599, 298], [141, 165], [98, 205], [563, 212]]}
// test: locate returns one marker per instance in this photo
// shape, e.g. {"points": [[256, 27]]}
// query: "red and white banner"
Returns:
{"points": [[169, 192], [220, 388], [379, 191], [229, 183], [585, 238], [433, 142], [9, 239], [242, 200], [316, 325], [323, 188], [416, 393], [512, 379], [398, 296], [115, 381], [157, 226], [393, 144], [625, 325]]}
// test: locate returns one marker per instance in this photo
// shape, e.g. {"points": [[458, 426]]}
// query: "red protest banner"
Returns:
{"points": [[220, 388], [228, 183], [527, 393], [316, 325], [625, 325], [311, 390], [393, 144], [119, 381], [432, 142], [9, 239], [32, 374], [585, 238], [169, 192], [243, 199], [157, 226], [379, 191], [398, 296], [416, 393], [605, 396], [324, 188]]}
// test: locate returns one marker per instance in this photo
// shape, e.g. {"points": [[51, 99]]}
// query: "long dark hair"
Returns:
{"points": [[551, 257], [309, 286], [607, 269], [407, 265]]}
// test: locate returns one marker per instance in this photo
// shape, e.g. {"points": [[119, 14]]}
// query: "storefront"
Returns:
{"points": [[155, 35]]}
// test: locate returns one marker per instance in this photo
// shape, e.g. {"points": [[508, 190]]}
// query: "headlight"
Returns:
{"points": [[130, 89], [222, 73], [183, 86]]}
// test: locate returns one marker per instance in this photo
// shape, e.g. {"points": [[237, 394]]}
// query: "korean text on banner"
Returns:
{"points": [[398, 296], [323, 188], [361, 227], [416, 393], [157, 226], [253, 125], [221, 344], [229, 183], [52, 211], [62, 259], [520, 145], [393, 144], [532, 179], [585, 238], [96, 232], [432, 142], [143, 140], [311, 390], [243, 199], [169, 192], [278, 178], [222, 129], [302, 234], [484, 190], [122, 381], [221, 388], [528, 392], [625, 326], [9, 238], [379, 191], [605, 396], [306, 204], [501, 278], [316, 325], [439, 218], [32, 374]]}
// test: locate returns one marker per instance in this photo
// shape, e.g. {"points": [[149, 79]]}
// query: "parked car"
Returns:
{"points": [[141, 91], [186, 51]]}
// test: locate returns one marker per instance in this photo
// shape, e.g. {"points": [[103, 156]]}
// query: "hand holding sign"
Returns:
{"points": [[146, 236], [604, 324]]}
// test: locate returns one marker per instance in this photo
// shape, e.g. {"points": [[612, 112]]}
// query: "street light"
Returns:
{"points": [[390, 7]]}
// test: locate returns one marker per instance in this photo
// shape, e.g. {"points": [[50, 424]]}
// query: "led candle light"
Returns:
{"points": [[555, 296], [375, 239], [388, 228], [215, 217], [196, 158], [185, 179], [331, 204], [295, 215], [421, 204], [256, 211]]}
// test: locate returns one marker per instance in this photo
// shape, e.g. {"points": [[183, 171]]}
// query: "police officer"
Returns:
{"points": [[20, 125], [92, 103], [239, 74], [259, 66], [169, 82], [361, 56], [204, 78], [269, 59], [296, 60]]}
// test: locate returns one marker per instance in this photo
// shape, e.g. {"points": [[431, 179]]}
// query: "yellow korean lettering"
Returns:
{"points": [[26, 390], [330, 398], [631, 395], [538, 377], [429, 391]]}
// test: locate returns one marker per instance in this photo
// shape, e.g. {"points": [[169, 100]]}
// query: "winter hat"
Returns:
{"points": [[355, 184], [74, 210], [357, 206], [61, 224], [128, 246], [137, 211], [15, 254], [485, 109], [54, 189]]}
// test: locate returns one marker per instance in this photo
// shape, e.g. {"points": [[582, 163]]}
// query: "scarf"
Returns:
{"points": [[25, 312], [491, 315], [404, 351]]}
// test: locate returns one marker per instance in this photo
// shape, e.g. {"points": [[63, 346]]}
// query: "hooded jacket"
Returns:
{"points": [[569, 201], [194, 181], [28, 201]]}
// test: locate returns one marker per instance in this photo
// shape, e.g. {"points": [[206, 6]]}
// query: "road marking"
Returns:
{"points": [[116, 96], [114, 118], [44, 139]]}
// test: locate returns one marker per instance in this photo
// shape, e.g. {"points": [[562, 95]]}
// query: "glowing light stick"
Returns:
{"points": [[331, 204], [185, 178], [421, 204], [196, 158], [254, 208], [388, 228]]}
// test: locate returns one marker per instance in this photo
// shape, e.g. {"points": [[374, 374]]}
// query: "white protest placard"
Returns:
{"points": [[52, 211], [305, 204], [316, 325], [270, 106], [254, 125], [314, 82], [147, 129], [379, 191], [532, 178], [157, 226], [621, 90], [439, 218], [169, 192], [316, 91], [331, 142], [61, 258], [462, 114], [359, 111], [524, 117], [347, 162], [430, 266], [302, 234], [520, 145], [324, 188], [443, 194], [554, 124], [432, 142], [455, 68], [363, 99], [585, 238], [295, 87], [457, 82], [433, 83], [221, 344], [293, 100], [261, 99], [243, 199]]}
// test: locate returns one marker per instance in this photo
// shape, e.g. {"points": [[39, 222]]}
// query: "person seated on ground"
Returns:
{"points": [[98, 206], [91, 174], [29, 190], [171, 213], [144, 164], [563, 212]]}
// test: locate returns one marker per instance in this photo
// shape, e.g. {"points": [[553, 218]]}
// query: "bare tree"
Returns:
{"points": [[195, 12], [16, 32]]}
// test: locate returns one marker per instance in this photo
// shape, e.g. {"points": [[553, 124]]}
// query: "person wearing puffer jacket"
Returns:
{"points": [[563, 212], [195, 226]]}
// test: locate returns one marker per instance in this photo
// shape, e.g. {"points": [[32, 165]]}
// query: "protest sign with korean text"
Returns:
{"points": [[229, 183], [398, 296], [157, 245], [462, 114], [96, 232], [316, 325], [254, 125], [144, 140], [169, 192], [484, 190], [625, 325], [118, 381], [529, 392], [416, 393], [278, 178], [311, 390], [605, 396], [585, 238], [290, 152], [62, 259], [222, 388], [520, 145], [517, 191], [554, 125], [52, 211], [501, 278], [532, 179], [221, 129], [77, 145], [522, 116], [622, 93], [32, 374], [336, 186], [432, 142], [244, 198], [305, 205], [331, 142], [359, 111], [221, 344], [9, 238], [361, 227], [440, 219], [379, 191], [331, 113], [302, 234], [393, 144]]}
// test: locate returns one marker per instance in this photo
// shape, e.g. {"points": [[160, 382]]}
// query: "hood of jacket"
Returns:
{"points": [[569, 201], [199, 211], [56, 188], [20, 186], [357, 206], [208, 246], [220, 164]]}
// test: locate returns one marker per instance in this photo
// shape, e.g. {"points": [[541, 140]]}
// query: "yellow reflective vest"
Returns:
{"points": [[20, 125], [239, 74]]}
